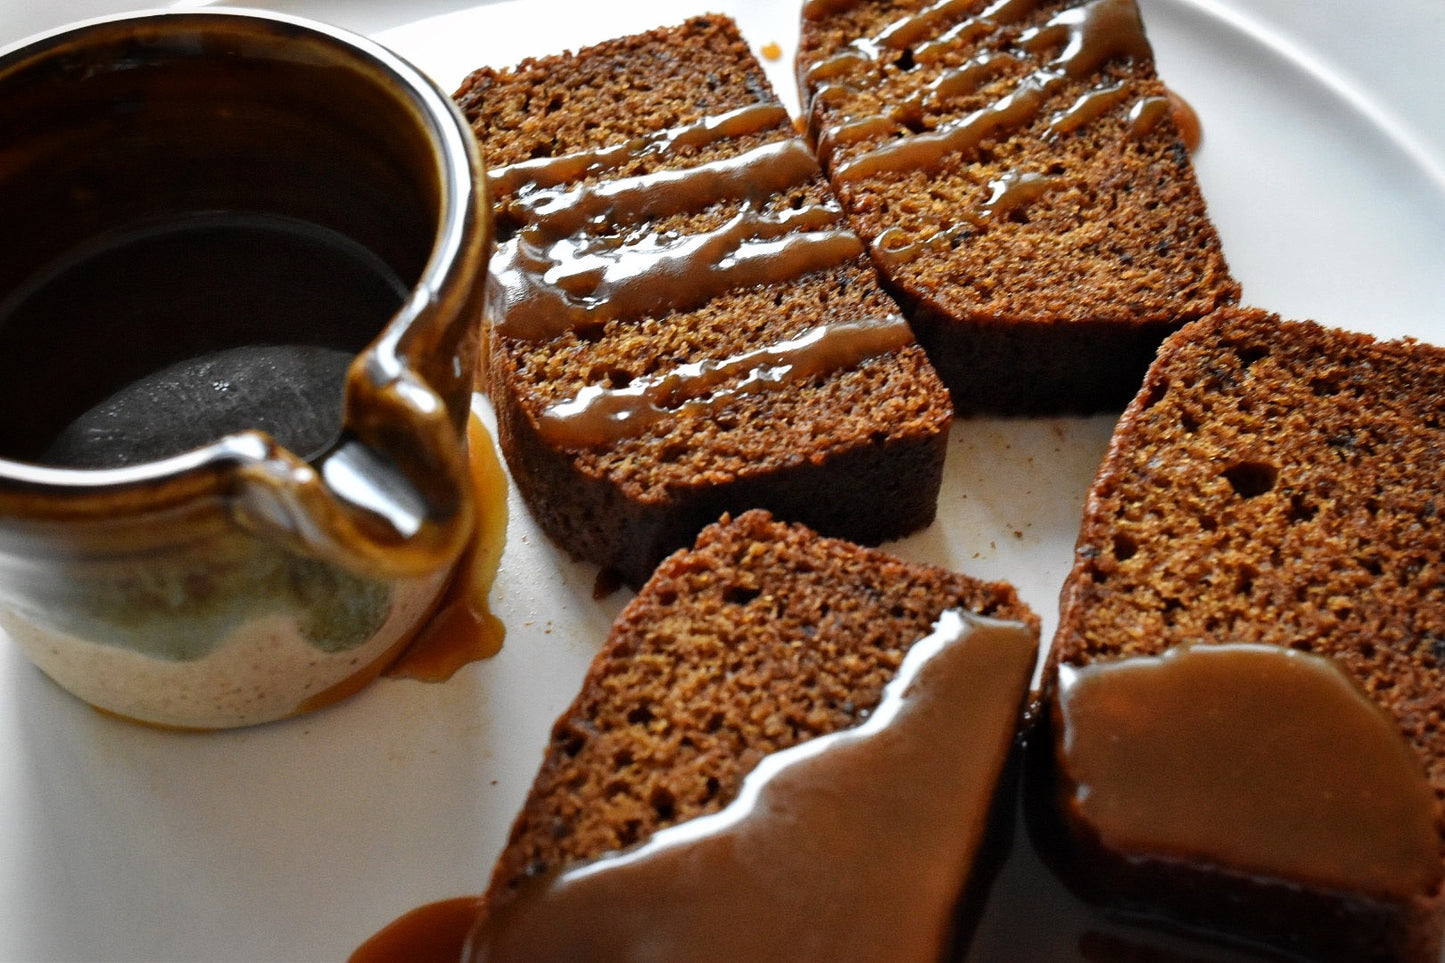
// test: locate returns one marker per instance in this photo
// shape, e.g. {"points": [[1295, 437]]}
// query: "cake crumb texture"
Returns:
{"points": [[1277, 482]]}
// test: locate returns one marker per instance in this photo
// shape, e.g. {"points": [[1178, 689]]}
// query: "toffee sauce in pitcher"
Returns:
{"points": [[164, 338]]}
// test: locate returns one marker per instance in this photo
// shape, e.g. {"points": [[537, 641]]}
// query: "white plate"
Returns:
{"points": [[1324, 166]]}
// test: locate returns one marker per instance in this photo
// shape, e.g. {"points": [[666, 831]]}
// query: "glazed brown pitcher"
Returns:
{"points": [[239, 289]]}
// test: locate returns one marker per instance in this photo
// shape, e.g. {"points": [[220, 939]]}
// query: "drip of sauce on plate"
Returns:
{"points": [[434, 933], [851, 846], [1146, 114], [463, 628]]}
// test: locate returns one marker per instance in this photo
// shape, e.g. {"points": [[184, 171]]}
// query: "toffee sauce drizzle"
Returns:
{"points": [[544, 172], [602, 416], [1085, 38], [853, 845], [584, 256], [1150, 773]]}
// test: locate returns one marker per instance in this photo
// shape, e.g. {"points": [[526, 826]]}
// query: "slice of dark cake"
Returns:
{"points": [[788, 749], [682, 322], [1274, 486], [1014, 168]]}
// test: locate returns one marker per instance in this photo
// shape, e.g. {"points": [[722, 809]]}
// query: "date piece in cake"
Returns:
{"points": [[682, 323], [1278, 483], [1015, 170]]}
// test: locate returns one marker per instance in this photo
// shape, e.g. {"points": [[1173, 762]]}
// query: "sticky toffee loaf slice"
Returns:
{"points": [[1014, 168], [1274, 486], [682, 322], [739, 660]]}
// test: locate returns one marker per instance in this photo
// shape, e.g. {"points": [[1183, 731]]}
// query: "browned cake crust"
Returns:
{"points": [[795, 387], [1277, 482], [1014, 167], [762, 636]]}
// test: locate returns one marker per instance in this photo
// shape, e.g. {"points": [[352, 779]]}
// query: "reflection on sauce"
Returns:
{"points": [[1028, 914], [851, 846], [544, 172], [1157, 773], [463, 628], [1073, 45]]}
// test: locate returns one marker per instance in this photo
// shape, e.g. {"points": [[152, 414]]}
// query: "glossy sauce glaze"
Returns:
{"points": [[600, 416], [864, 833], [1220, 728], [582, 256], [1070, 47], [1226, 779]]}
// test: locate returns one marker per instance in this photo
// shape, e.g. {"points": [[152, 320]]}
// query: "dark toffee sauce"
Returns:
{"points": [[166, 337], [1029, 914]]}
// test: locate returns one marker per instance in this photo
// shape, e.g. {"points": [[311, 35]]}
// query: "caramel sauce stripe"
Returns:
{"points": [[752, 175], [549, 286], [587, 255], [545, 172], [603, 416], [1086, 37]]}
